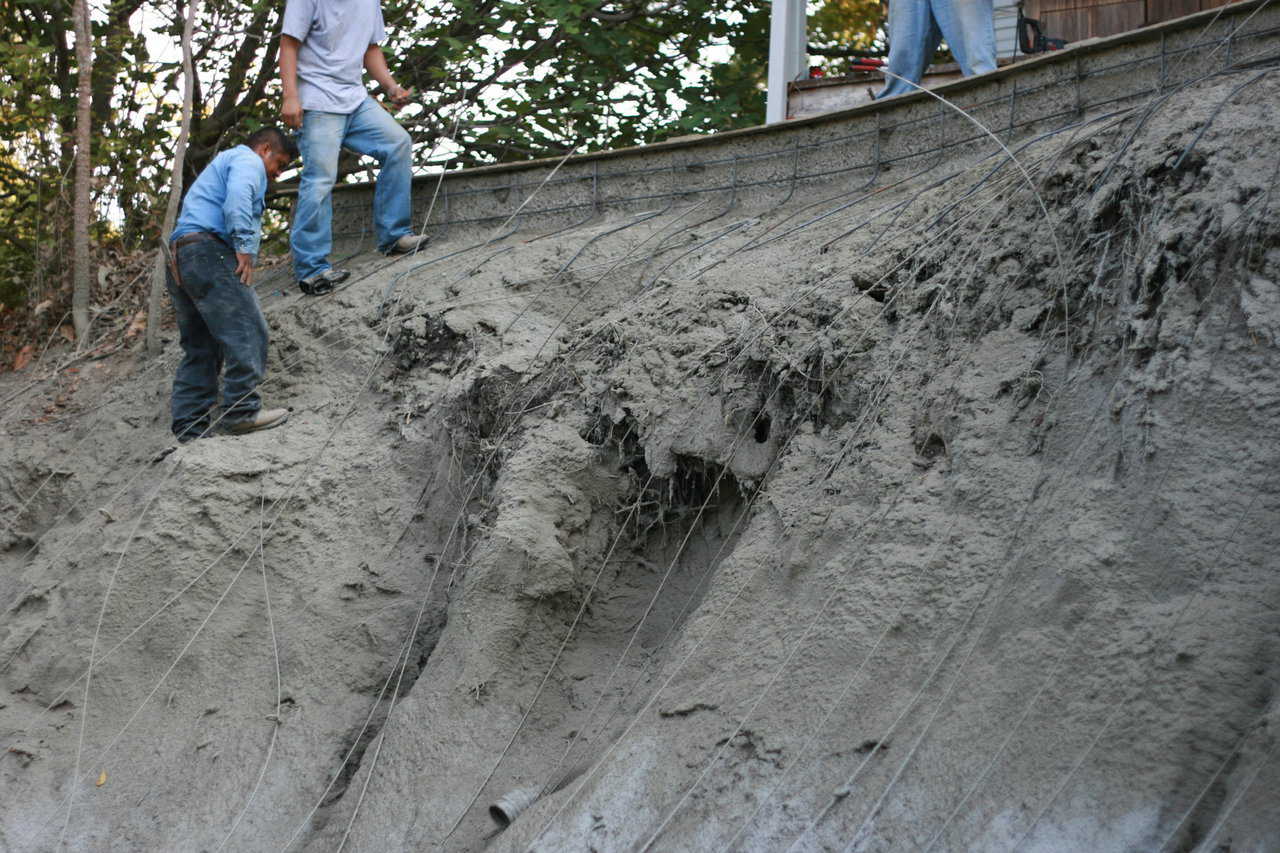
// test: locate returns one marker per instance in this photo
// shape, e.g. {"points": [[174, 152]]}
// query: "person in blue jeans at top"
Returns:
{"points": [[917, 27], [325, 46], [221, 329]]}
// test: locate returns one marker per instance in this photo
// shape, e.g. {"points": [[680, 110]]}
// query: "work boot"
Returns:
{"points": [[192, 432], [263, 419], [323, 281], [408, 243]]}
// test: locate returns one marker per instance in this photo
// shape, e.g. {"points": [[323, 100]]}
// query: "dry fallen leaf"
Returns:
{"points": [[102, 778], [137, 325], [23, 358]]}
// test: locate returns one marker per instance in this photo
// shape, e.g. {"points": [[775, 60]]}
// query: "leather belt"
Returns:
{"points": [[171, 251], [194, 237]]}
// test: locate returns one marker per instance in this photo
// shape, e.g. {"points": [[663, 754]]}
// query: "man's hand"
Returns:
{"points": [[291, 112], [244, 268], [399, 95]]}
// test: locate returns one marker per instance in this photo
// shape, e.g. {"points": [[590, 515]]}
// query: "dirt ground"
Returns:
{"points": [[940, 517]]}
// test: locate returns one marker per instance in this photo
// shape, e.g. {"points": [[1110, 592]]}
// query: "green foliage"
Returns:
{"points": [[847, 26], [509, 80]]}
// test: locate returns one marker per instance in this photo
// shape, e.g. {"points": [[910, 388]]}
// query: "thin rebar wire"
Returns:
{"points": [[671, 200], [728, 208], [610, 268], [842, 207], [586, 776], [724, 232], [848, 686], [1207, 575], [1116, 115], [493, 238], [1204, 845], [1118, 707], [279, 511], [617, 667], [656, 834], [275, 650], [796, 147], [592, 213], [160, 362], [399, 669], [1027, 709], [150, 618], [93, 650], [1232, 754], [782, 667], [1031, 185], [456, 526], [279, 506], [1231, 35], [564, 643], [1204, 128], [1049, 679], [872, 812], [266, 382]]}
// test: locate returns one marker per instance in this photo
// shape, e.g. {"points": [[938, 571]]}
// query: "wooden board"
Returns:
{"points": [[1075, 20], [1167, 10]]}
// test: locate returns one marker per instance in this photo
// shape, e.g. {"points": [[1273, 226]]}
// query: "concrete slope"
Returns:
{"points": [[932, 513]]}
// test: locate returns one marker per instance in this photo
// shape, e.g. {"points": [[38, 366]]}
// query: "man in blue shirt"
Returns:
{"points": [[220, 323], [325, 47]]}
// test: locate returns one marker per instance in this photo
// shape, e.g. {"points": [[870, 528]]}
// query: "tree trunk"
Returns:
{"points": [[83, 275], [156, 301]]}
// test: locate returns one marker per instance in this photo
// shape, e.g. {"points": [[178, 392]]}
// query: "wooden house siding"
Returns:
{"points": [[1076, 20]]}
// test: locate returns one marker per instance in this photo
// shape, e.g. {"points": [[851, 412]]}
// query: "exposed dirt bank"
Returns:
{"points": [[937, 515]]}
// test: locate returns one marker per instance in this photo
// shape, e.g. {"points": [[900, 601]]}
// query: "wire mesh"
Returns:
{"points": [[893, 135]]}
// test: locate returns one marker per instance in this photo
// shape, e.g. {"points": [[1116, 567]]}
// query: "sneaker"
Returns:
{"points": [[263, 419], [408, 243], [323, 281]]}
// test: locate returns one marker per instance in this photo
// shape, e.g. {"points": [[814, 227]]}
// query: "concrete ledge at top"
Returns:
{"points": [[1011, 99]]}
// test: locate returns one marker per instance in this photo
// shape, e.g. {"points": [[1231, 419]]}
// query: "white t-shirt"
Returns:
{"points": [[334, 35]]}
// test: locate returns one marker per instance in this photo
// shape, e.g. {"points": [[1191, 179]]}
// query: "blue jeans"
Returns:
{"points": [[369, 130], [222, 330], [917, 27]]}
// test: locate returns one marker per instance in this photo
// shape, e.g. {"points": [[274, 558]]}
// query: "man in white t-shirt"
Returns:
{"points": [[917, 27], [325, 48]]}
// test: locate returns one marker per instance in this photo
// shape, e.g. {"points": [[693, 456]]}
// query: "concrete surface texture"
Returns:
{"points": [[936, 512]]}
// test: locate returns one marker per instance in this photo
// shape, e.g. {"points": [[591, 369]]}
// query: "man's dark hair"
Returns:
{"points": [[280, 142]]}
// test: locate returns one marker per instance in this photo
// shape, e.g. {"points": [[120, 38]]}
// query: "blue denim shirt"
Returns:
{"points": [[227, 200]]}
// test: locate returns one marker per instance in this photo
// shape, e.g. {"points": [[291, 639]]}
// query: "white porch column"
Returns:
{"points": [[788, 53]]}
